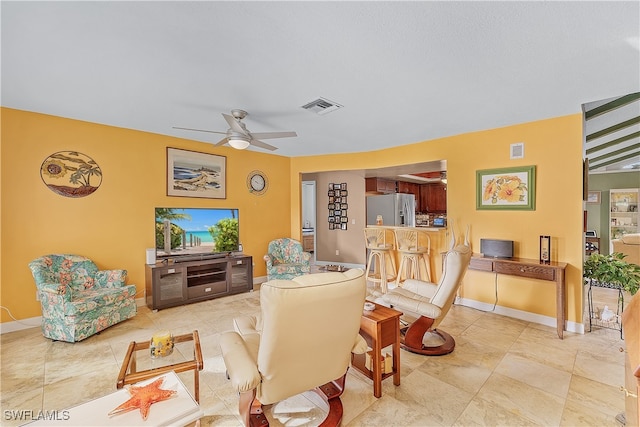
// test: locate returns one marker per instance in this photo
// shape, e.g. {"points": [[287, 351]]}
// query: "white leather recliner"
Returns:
{"points": [[430, 302], [303, 340]]}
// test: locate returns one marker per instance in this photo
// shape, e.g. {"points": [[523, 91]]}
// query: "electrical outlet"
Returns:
{"points": [[337, 252]]}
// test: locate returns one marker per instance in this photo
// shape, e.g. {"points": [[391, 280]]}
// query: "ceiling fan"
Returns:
{"points": [[239, 137]]}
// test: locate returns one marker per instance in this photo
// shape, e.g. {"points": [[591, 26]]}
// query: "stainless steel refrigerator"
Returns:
{"points": [[397, 209]]}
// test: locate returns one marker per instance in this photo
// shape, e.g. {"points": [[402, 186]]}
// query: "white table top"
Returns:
{"points": [[179, 410]]}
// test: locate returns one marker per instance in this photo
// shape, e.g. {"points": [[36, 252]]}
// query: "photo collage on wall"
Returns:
{"points": [[338, 206]]}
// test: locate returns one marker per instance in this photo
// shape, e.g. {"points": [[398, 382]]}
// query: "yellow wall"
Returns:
{"points": [[554, 146], [114, 225]]}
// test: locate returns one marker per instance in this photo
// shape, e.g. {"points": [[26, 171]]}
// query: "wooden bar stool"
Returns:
{"points": [[414, 249], [381, 265]]}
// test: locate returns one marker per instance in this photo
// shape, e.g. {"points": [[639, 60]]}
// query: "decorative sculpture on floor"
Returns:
{"points": [[431, 302]]}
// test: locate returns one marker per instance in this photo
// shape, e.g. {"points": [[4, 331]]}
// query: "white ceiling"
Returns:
{"points": [[404, 71]]}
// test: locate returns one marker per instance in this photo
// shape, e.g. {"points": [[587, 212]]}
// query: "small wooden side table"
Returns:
{"points": [[129, 373], [380, 328]]}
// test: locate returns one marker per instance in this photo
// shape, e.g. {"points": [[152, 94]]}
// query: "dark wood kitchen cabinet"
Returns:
{"points": [[379, 185], [433, 198]]}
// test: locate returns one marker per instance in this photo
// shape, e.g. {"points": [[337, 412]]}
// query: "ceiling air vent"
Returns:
{"points": [[322, 106]]}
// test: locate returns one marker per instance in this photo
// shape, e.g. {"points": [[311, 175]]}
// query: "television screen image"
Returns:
{"points": [[196, 231]]}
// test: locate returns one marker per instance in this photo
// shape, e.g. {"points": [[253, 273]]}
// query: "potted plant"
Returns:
{"points": [[612, 270]]}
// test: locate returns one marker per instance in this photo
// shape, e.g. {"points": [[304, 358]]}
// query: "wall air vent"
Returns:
{"points": [[516, 151], [322, 106]]}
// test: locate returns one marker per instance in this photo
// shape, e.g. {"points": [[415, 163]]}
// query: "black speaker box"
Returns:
{"points": [[493, 248]]}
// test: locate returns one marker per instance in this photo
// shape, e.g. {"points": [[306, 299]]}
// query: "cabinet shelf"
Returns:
{"points": [[189, 276], [623, 212]]}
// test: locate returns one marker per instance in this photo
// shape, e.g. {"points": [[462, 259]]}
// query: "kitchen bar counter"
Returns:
{"points": [[439, 244], [418, 227]]}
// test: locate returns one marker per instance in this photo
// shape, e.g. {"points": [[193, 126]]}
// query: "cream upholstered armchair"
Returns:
{"points": [[629, 245], [302, 340], [285, 259], [430, 303]]}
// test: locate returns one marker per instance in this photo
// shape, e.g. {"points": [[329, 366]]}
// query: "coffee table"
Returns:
{"points": [[139, 366], [380, 328], [180, 410]]}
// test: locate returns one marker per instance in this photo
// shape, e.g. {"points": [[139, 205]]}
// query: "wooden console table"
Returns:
{"points": [[380, 328], [532, 269]]}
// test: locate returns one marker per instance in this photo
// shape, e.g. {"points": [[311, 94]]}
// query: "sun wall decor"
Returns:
{"points": [[71, 174]]}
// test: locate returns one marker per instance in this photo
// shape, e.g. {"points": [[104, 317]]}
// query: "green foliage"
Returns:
{"points": [[176, 231], [225, 235], [614, 270], [170, 213], [176, 236]]}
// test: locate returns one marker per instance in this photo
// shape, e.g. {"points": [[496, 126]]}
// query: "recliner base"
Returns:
{"points": [[411, 338], [251, 408]]}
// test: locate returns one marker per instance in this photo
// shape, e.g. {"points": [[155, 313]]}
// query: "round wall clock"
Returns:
{"points": [[257, 182]]}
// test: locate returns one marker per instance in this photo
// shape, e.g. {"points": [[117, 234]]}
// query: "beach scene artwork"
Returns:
{"points": [[194, 174]]}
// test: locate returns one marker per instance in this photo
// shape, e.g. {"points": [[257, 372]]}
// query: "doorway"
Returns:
{"points": [[309, 217]]}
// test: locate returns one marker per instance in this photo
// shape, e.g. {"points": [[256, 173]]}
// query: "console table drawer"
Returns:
{"points": [[482, 264], [531, 271]]}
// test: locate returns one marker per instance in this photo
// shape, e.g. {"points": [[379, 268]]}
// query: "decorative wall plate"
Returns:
{"points": [[71, 174]]}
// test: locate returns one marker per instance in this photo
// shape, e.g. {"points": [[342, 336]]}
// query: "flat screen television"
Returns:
{"points": [[196, 232]]}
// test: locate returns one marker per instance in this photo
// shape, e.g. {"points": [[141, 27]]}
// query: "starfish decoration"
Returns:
{"points": [[142, 397]]}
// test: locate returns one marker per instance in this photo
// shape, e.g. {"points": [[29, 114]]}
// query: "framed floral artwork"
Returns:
{"points": [[506, 189]]}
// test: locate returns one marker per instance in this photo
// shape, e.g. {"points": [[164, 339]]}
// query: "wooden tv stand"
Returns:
{"points": [[169, 284]]}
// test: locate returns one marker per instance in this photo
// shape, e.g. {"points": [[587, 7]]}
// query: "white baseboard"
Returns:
{"points": [[522, 315], [32, 322]]}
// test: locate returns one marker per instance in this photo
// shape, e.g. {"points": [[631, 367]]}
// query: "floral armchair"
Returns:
{"points": [[285, 259], [77, 299]]}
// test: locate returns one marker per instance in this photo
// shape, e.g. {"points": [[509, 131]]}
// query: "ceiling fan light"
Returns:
{"points": [[238, 144]]}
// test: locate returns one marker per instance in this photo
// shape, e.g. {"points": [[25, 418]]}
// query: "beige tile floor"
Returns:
{"points": [[503, 372]]}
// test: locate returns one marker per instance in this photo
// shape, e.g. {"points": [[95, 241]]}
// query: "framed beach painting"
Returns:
{"points": [[506, 189], [194, 174]]}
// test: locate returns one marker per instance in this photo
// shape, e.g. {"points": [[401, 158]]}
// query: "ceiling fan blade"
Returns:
{"points": [[264, 145], [222, 141], [233, 124], [268, 135], [200, 130]]}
